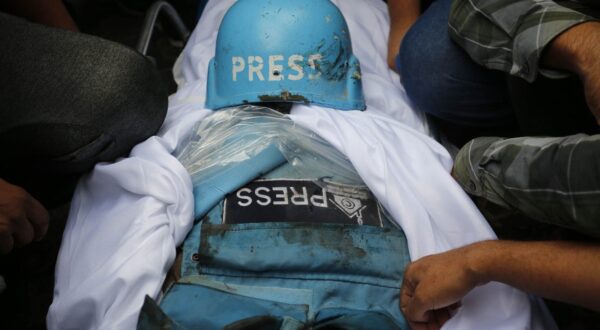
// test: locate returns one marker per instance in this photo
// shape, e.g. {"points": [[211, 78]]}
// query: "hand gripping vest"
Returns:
{"points": [[299, 243], [284, 51]]}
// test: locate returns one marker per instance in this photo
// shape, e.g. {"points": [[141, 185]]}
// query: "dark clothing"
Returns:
{"points": [[468, 100], [510, 35], [553, 180], [551, 107], [67, 101], [464, 98]]}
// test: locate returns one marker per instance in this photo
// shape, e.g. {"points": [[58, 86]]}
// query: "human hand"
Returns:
{"points": [[433, 287], [22, 218]]}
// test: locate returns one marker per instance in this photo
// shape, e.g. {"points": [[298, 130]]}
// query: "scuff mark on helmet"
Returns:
{"points": [[333, 64]]}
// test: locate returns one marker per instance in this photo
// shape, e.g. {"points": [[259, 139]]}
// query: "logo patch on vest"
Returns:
{"points": [[301, 201]]}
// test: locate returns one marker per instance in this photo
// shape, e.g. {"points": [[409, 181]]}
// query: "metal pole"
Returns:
{"points": [[150, 21]]}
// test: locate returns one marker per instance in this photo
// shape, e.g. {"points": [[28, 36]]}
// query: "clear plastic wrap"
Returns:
{"points": [[239, 134]]}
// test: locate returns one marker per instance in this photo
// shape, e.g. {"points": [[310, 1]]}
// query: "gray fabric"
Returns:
{"points": [[69, 100], [510, 35], [555, 180]]}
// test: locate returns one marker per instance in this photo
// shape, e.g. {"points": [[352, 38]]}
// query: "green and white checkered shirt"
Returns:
{"points": [[510, 35]]}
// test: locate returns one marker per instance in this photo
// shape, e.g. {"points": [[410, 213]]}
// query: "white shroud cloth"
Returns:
{"points": [[127, 217]]}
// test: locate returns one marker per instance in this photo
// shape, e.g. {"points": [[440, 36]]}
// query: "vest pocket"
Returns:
{"points": [[365, 254]]}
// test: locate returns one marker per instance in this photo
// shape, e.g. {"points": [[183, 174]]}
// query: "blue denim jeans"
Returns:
{"points": [[442, 80]]}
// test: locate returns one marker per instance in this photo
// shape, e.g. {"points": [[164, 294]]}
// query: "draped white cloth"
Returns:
{"points": [[127, 217]]}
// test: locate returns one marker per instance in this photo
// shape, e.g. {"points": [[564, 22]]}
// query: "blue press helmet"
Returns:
{"points": [[284, 51]]}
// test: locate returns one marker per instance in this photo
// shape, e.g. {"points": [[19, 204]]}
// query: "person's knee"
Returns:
{"points": [[103, 99], [442, 81], [421, 71], [123, 102], [137, 100], [412, 72], [425, 56]]}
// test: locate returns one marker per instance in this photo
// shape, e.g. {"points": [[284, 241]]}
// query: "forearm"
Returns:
{"points": [[564, 271], [518, 177], [574, 50], [516, 32], [403, 14]]}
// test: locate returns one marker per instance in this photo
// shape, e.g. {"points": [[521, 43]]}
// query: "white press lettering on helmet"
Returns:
{"points": [[255, 69], [284, 51], [275, 70], [293, 64], [237, 66]]}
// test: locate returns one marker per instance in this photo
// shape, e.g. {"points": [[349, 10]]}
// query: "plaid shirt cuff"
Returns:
{"points": [[509, 35]]}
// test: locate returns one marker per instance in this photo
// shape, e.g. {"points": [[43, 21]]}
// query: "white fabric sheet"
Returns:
{"points": [[127, 217]]}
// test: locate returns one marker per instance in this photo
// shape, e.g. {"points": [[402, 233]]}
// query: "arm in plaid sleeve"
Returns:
{"points": [[510, 35]]}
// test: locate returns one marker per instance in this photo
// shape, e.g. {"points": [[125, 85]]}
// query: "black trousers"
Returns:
{"points": [[67, 101]]}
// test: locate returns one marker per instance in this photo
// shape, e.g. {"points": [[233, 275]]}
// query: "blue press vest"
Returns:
{"points": [[312, 265]]}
